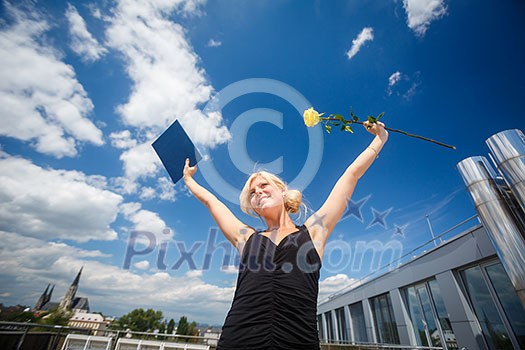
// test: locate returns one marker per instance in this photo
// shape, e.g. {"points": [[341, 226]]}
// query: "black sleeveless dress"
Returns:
{"points": [[275, 303]]}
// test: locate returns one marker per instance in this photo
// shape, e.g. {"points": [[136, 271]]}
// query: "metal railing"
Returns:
{"points": [[33, 336]]}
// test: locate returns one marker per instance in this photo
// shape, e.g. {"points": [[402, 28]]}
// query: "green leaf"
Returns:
{"points": [[339, 117], [348, 128], [355, 118], [380, 115], [336, 124], [372, 119], [328, 128]]}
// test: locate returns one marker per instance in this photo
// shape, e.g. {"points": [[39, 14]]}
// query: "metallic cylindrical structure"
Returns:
{"points": [[497, 219], [508, 149]]}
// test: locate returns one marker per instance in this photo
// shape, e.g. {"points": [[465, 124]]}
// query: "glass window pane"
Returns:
{"points": [[509, 300], [384, 321], [444, 321], [342, 328], [429, 316], [320, 326], [358, 322], [485, 310], [416, 315], [329, 325]]}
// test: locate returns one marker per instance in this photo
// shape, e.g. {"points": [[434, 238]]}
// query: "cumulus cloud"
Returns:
{"points": [[167, 82], [50, 204], [146, 220], [367, 34], [334, 284], [420, 13], [214, 43], [82, 42], [122, 139], [41, 99], [30, 264]]}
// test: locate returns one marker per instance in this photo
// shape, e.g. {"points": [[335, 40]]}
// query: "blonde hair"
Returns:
{"points": [[293, 199]]}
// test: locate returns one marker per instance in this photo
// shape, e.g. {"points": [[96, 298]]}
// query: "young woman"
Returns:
{"points": [[275, 301]]}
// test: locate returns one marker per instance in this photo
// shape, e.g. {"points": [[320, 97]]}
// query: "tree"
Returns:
{"points": [[140, 320], [171, 326], [192, 329], [56, 317], [183, 326], [162, 328]]}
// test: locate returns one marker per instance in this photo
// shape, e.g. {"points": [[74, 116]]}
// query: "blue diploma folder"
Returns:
{"points": [[173, 147]]}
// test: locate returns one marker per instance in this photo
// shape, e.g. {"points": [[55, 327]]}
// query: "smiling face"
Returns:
{"points": [[264, 194]]}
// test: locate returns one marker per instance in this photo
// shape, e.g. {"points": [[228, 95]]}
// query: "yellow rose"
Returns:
{"points": [[311, 117]]}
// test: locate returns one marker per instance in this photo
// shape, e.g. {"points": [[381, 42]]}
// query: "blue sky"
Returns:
{"points": [[85, 87]]}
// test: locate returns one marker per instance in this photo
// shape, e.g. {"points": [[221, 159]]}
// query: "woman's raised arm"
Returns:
{"points": [[232, 228], [322, 222]]}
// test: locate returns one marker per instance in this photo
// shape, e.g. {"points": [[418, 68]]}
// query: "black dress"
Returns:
{"points": [[275, 303]]}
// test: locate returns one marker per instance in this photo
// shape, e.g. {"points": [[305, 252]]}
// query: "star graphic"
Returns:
{"points": [[379, 218], [354, 208], [317, 219], [399, 231]]}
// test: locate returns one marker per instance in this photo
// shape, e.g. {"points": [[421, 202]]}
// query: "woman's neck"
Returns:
{"points": [[279, 223]]}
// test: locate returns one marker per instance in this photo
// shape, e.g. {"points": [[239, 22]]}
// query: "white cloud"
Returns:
{"points": [[146, 220], [40, 98], [334, 284], [166, 189], [214, 43], [82, 42], [167, 80], [140, 161], [194, 273], [230, 269], [147, 193], [367, 34], [403, 85], [48, 203], [142, 265], [394, 78], [122, 139], [28, 265], [420, 13]]}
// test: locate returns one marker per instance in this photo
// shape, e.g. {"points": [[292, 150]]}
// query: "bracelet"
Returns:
{"points": [[373, 149]]}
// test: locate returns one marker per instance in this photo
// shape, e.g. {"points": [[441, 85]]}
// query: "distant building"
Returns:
{"points": [[212, 336], [70, 302], [96, 322]]}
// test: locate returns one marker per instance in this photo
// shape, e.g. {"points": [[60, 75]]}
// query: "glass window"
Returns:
{"points": [[320, 326], [442, 314], [508, 300], [329, 326], [414, 310], [430, 320], [342, 329], [384, 322], [358, 322], [488, 317]]}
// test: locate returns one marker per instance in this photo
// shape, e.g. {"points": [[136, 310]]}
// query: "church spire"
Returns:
{"points": [[67, 301], [77, 279], [42, 300]]}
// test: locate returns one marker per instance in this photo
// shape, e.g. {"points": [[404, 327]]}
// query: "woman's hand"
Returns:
{"points": [[188, 171], [376, 129]]}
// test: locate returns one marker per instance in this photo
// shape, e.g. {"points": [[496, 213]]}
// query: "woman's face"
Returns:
{"points": [[264, 195]]}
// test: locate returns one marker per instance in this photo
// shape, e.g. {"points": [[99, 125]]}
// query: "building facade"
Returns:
{"points": [[466, 293]]}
